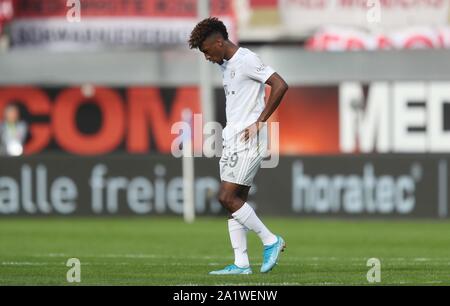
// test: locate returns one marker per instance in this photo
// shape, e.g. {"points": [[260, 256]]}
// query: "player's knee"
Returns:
{"points": [[226, 198]]}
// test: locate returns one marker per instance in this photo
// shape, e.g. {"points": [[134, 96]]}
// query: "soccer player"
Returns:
{"points": [[244, 137]]}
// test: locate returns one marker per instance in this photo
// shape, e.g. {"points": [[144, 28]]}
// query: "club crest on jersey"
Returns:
{"points": [[261, 68], [233, 74]]}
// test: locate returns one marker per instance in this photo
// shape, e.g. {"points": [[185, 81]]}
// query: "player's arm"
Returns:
{"points": [[278, 89]]}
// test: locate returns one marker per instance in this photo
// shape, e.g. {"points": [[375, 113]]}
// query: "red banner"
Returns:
{"points": [[120, 8], [347, 39], [100, 120], [61, 25]]}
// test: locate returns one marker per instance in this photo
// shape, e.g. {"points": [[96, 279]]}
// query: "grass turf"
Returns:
{"points": [[166, 251]]}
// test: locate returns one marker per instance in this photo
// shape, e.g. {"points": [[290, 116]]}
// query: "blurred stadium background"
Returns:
{"points": [[364, 140]]}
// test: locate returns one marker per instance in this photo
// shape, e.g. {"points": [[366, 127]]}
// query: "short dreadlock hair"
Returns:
{"points": [[204, 29]]}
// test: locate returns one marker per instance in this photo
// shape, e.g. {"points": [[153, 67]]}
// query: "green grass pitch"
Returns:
{"points": [[166, 251]]}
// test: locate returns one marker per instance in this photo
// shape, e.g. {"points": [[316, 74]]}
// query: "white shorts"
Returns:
{"points": [[240, 161]]}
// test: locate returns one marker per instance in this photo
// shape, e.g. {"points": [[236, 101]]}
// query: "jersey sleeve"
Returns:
{"points": [[256, 70]]}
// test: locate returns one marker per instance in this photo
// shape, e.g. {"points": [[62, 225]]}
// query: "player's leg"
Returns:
{"points": [[241, 166], [238, 234], [229, 196], [235, 195], [243, 193], [238, 239], [244, 214], [246, 164]]}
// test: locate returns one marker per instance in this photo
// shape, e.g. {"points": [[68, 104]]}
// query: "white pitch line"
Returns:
{"points": [[257, 284], [135, 256], [24, 263], [187, 264], [298, 260]]}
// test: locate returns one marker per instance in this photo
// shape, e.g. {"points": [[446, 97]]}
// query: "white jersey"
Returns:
{"points": [[244, 76]]}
